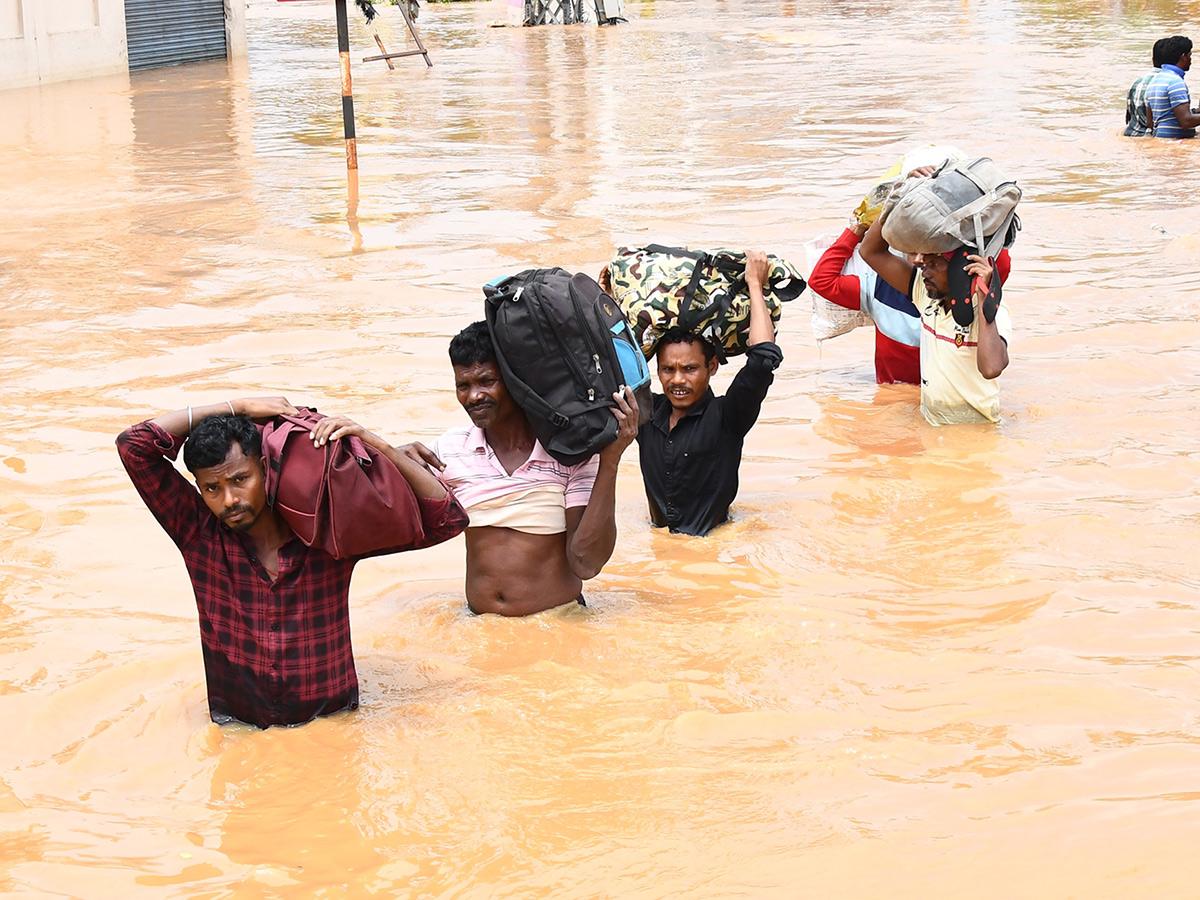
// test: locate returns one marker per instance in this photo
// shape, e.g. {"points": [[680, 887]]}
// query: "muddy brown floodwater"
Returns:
{"points": [[921, 662]]}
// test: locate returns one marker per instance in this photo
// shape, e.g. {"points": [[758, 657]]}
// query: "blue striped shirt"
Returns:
{"points": [[1167, 91]]}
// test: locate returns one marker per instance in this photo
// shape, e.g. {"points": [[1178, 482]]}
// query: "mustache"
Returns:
{"points": [[233, 511], [482, 404]]}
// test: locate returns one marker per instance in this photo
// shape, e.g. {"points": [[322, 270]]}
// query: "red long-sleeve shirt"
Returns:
{"points": [[896, 361], [275, 652]]}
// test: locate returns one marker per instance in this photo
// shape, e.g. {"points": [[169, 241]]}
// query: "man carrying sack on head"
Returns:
{"points": [[965, 332], [691, 448]]}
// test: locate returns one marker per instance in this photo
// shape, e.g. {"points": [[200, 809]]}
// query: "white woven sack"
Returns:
{"points": [[828, 319]]}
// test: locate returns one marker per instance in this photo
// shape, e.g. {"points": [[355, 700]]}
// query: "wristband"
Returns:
{"points": [[230, 404]]}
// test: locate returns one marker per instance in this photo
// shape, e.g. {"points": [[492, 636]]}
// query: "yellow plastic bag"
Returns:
{"points": [[872, 204]]}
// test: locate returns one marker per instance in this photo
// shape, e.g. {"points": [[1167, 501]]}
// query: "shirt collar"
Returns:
{"points": [[476, 440], [1167, 67], [662, 411], [477, 443]]}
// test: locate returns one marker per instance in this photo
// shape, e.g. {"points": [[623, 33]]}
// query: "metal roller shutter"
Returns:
{"points": [[168, 32]]}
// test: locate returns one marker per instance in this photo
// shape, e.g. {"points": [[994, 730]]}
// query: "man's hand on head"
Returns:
{"points": [[922, 172], [263, 407], [334, 428]]}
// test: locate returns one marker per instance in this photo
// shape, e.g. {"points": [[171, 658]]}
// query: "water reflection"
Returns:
{"points": [[908, 639]]}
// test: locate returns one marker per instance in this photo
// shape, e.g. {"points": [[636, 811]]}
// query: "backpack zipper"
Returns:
{"points": [[614, 359]]}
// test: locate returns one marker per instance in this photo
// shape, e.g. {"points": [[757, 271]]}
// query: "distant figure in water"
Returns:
{"points": [[959, 362], [691, 447], [1138, 117], [274, 614], [1170, 104], [538, 529]]}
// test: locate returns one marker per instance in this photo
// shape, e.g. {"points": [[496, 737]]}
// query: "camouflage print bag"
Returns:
{"points": [[703, 292]]}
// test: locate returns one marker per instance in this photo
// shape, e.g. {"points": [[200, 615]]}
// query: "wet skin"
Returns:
{"points": [[510, 572], [517, 574], [935, 272], [235, 491]]}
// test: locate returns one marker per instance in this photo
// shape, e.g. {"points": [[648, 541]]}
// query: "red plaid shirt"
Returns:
{"points": [[275, 652]]}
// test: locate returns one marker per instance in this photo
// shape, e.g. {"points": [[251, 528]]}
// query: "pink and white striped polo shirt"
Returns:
{"points": [[534, 498]]}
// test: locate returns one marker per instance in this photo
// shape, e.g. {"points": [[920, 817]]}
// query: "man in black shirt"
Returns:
{"points": [[691, 447]]}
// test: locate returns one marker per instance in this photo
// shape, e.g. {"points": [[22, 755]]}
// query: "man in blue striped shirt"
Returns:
{"points": [[1167, 96]]}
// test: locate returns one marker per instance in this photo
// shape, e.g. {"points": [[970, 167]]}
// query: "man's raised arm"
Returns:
{"points": [[592, 529], [827, 279], [442, 517], [758, 270], [991, 356], [413, 460], [879, 256], [148, 449]]}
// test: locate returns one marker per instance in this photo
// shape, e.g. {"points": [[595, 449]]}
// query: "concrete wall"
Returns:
{"points": [[235, 28], [42, 41]]}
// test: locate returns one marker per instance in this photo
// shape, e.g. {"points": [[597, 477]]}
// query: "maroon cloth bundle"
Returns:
{"points": [[345, 498]]}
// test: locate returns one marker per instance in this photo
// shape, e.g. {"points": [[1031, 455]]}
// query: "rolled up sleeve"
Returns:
{"points": [[147, 452], [743, 400], [441, 519]]}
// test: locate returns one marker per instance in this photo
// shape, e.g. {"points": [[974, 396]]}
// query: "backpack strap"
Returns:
{"points": [[532, 399], [525, 395], [686, 318], [786, 288], [661, 249], [966, 172]]}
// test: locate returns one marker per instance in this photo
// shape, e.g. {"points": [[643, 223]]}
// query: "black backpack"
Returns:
{"points": [[564, 348]]}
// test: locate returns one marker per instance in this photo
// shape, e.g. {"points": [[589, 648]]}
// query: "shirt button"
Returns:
{"points": [[275, 626]]}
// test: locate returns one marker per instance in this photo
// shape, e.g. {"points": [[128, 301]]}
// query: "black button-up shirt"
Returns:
{"points": [[691, 471]]}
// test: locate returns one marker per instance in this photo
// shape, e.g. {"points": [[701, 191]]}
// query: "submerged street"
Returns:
{"points": [[919, 662]]}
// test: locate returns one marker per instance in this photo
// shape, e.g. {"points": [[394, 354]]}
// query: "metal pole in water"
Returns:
{"points": [[343, 33]]}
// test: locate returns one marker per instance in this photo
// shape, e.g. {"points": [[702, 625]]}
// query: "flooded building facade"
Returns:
{"points": [[42, 42]]}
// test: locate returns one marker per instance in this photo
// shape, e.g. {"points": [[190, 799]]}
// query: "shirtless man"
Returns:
{"points": [[538, 529]]}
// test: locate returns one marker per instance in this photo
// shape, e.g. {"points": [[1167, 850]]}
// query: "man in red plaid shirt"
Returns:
{"points": [[274, 614]]}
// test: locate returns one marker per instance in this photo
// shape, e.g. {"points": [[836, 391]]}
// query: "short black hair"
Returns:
{"points": [[1174, 48], [211, 440], [1156, 55], [677, 335], [472, 346]]}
